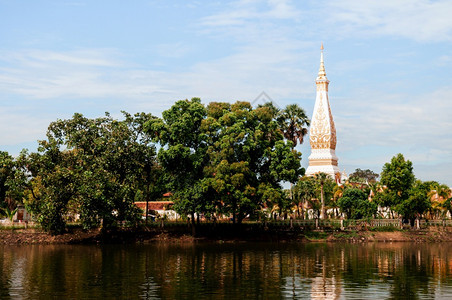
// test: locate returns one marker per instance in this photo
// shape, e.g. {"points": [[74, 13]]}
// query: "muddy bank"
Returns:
{"points": [[184, 235], [418, 236]]}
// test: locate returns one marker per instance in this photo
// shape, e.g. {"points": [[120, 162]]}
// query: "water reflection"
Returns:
{"points": [[243, 270]]}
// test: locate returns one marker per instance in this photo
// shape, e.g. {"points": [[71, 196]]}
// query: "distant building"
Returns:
{"points": [[159, 209], [22, 215]]}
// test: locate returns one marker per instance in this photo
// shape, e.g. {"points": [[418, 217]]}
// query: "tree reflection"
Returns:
{"points": [[229, 270]]}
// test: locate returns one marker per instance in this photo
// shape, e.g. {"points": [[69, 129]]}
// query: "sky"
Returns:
{"points": [[389, 64]]}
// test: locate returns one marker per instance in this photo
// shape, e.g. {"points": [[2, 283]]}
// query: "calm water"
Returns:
{"points": [[227, 271]]}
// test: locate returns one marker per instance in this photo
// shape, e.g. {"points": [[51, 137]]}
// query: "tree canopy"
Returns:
{"points": [[355, 205], [364, 176], [90, 166], [218, 160]]}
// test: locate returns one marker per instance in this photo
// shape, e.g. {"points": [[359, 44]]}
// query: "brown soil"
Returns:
{"points": [[78, 236], [34, 236], [431, 234]]}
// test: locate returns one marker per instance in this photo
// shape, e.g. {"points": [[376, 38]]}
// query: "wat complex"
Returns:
{"points": [[322, 134]]}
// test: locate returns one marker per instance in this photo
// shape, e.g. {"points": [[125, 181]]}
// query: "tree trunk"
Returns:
{"points": [[147, 204], [322, 208]]}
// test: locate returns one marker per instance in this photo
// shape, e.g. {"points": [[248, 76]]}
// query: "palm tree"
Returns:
{"points": [[438, 195], [321, 179], [9, 213], [303, 191], [293, 123], [338, 192]]}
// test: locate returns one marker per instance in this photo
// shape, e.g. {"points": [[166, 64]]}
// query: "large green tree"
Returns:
{"points": [[363, 176], [398, 178], [417, 202], [13, 181], [149, 177], [183, 154], [355, 205], [248, 157], [88, 166], [6, 171], [53, 185]]}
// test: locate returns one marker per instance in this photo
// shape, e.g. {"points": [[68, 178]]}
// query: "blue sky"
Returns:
{"points": [[388, 62]]}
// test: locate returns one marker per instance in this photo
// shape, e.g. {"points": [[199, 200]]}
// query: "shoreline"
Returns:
{"points": [[147, 235]]}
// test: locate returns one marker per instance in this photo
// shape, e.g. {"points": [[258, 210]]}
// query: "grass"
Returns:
{"points": [[385, 229], [346, 235], [316, 235]]}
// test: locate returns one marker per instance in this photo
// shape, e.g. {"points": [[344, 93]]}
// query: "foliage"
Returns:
{"points": [[293, 122], [448, 205], [248, 157], [387, 228], [303, 193], [183, 154], [363, 176], [417, 202], [52, 187], [12, 180], [88, 166], [438, 195], [398, 178], [6, 167], [316, 235], [9, 213], [325, 185], [355, 205]]}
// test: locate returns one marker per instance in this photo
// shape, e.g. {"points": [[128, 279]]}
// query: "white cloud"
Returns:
{"points": [[419, 20], [85, 74], [95, 74], [19, 127], [373, 127], [267, 51], [385, 119], [86, 57], [243, 11]]}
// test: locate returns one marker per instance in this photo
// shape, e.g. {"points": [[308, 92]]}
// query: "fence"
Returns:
{"points": [[357, 224], [285, 224]]}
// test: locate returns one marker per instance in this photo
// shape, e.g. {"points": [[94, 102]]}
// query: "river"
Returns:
{"points": [[227, 271]]}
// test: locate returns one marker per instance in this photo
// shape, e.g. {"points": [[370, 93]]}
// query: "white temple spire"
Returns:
{"points": [[322, 134]]}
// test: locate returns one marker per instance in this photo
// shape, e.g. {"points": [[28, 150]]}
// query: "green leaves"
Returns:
{"points": [[398, 178], [355, 205], [230, 150], [418, 200], [223, 158], [91, 167], [183, 155], [293, 122], [363, 176], [248, 157]]}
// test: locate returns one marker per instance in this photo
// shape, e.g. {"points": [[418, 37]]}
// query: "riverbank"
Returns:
{"points": [[183, 234]]}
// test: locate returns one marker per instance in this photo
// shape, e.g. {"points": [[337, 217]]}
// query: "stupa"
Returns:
{"points": [[322, 134]]}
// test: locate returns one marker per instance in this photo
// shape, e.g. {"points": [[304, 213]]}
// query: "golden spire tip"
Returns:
{"points": [[321, 47]]}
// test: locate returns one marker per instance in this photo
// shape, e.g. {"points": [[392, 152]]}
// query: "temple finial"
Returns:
{"points": [[322, 73]]}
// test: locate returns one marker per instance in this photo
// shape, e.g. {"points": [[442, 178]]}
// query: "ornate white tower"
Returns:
{"points": [[323, 133]]}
